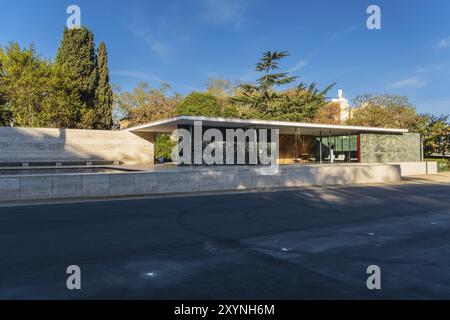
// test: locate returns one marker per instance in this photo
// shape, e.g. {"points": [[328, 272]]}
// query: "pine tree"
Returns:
{"points": [[269, 62], [76, 55], [262, 95], [264, 100], [104, 91]]}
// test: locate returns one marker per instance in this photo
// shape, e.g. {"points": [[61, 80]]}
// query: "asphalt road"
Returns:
{"points": [[309, 243]]}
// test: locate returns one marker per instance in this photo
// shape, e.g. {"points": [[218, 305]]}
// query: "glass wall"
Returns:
{"points": [[345, 148]]}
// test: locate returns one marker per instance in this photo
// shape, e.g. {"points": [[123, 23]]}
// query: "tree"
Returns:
{"points": [[301, 103], [231, 111], [264, 101], [224, 90], [163, 146], [5, 112], [392, 111], [145, 104], [261, 96], [423, 126], [328, 114], [199, 104], [442, 138], [35, 92], [23, 83], [270, 62], [61, 104], [389, 111], [104, 94], [436, 136], [76, 55], [221, 88]]}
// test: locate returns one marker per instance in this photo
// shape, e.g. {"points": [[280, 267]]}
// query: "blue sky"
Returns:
{"points": [[183, 42]]}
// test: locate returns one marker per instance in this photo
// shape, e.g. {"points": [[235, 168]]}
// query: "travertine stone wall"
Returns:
{"points": [[189, 180], [41, 144]]}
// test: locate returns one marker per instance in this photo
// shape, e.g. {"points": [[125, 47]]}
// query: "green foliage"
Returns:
{"points": [[61, 106], [164, 146], [69, 93], [437, 135], [145, 104], [424, 126], [231, 111], [300, 104], [37, 93], [221, 88], [392, 111], [23, 83], [329, 114], [104, 92], [76, 55], [268, 62], [389, 111], [199, 104], [5, 114], [224, 90], [443, 164], [263, 100], [5, 110]]}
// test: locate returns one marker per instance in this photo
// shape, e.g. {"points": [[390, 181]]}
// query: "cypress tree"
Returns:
{"points": [[104, 91], [77, 57]]}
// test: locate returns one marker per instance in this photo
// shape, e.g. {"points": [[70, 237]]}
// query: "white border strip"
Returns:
{"points": [[173, 121]]}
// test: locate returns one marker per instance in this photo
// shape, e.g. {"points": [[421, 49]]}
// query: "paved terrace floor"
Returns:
{"points": [[307, 243]]}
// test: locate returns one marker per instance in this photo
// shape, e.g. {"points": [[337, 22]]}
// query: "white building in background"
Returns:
{"points": [[345, 110]]}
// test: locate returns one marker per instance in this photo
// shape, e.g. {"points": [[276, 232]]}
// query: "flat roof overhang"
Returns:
{"points": [[286, 127]]}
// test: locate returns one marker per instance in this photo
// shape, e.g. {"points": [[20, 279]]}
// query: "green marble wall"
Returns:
{"points": [[382, 148]]}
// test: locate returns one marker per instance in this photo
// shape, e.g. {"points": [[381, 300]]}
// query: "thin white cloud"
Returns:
{"points": [[444, 43], [163, 33], [212, 74], [137, 75], [162, 48], [300, 64], [342, 33], [430, 68], [249, 76], [414, 82], [224, 11]]}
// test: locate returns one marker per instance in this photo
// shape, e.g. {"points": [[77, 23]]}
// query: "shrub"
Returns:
{"points": [[443, 164], [163, 146]]}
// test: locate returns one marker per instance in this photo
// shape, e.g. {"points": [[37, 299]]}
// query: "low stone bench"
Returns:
{"points": [[60, 163]]}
